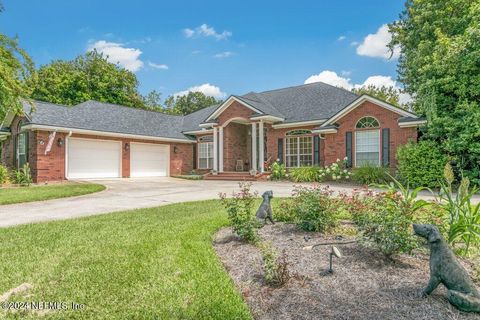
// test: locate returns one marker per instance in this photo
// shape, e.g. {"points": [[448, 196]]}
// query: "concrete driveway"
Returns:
{"points": [[126, 194]]}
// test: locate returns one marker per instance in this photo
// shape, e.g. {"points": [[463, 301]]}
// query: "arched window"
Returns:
{"points": [[299, 148], [205, 139], [367, 122], [298, 132]]}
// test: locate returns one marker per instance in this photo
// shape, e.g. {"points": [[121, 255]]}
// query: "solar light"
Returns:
{"points": [[335, 252], [60, 142]]}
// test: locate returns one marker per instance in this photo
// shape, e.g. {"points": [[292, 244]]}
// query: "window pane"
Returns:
{"points": [[22, 143], [299, 151], [368, 122], [367, 147], [205, 155], [292, 161]]}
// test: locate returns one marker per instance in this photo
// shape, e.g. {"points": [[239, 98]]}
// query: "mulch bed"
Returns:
{"points": [[364, 285]]}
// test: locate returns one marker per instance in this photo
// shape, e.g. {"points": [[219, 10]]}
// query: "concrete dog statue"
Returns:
{"points": [[265, 210], [444, 268]]}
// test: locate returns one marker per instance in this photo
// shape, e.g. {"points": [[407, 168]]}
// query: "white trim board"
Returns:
{"points": [[363, 99], [227, 104], [411, 124], [103, 133], [298, 124]]}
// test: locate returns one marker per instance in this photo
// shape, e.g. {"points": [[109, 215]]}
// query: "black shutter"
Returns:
{"points": [[348, 148], [194, 156], [316, 150], [280, 150], [386, 147]]}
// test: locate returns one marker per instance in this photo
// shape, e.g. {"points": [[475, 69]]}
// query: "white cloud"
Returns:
{"points": [[375, 45], [158, 66], [205, 31], [380, 81], [341, 38], [188, 32], [128, 58], [225, 54], [332, 78], [206, 88]]}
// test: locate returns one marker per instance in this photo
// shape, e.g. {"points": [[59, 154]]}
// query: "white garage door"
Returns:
{"points": [[93, 159], [149, 160]]}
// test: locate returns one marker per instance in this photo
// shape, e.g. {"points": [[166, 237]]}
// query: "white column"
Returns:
{"points": [[254, 146], [261, 147], [215, 149], [220, 151]]}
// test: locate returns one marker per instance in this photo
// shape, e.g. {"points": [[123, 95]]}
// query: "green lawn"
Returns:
{"points": [[37, 193], [154, 263]]}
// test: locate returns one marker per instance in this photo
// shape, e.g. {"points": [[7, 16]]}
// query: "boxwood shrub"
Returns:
{"points": [[421, 164]]}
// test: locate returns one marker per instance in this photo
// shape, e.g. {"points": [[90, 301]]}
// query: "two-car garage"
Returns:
{"points": [[95, 159]]}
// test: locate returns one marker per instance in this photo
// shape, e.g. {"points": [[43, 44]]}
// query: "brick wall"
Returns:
{"points": [[235, 110], [335, 143], [51, 167], [235, 146]]}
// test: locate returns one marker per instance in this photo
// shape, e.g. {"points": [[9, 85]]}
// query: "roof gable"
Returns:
{"points": [[227, 103], [347, 109]]}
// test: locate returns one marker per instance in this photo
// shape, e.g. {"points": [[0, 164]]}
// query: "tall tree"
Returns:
{"points": [[440, 66], [388, 94], [191, 102], [152, 101], [17, 73], [87, 77]]}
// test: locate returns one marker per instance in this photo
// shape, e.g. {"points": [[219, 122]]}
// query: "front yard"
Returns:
{"points": [[47, 192], [145, 264]]}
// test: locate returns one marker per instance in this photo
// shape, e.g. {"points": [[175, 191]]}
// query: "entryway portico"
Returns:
{"points": [[238, 146]]}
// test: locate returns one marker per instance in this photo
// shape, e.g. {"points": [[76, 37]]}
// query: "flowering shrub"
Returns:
{"points": [[384, 219], [335, 171], [277, 171], [312, 208], [241, 213]]}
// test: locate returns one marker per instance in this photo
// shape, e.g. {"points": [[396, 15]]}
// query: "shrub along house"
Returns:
{"points": [[313, 124]]}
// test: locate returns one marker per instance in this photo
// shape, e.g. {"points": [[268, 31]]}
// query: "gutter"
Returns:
{"points": [[298, 124], [410, 124], [103, 133]]}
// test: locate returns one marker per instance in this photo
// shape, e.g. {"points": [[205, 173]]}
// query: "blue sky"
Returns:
{"points": [[219, 47]]}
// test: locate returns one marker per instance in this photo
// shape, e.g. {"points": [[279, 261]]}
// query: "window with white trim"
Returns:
{"points": [[367, 148], [298, 149], [205, 155]]}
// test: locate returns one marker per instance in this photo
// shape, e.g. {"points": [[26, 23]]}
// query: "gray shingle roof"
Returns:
{"points": [[192, 120], [99, 116], [313, 101], [316, 101]]}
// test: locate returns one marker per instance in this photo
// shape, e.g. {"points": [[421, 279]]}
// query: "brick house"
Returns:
{"points": [[313, 124]]}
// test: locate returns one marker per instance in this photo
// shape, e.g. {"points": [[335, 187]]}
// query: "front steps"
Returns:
{"points": [[230, 176]]}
